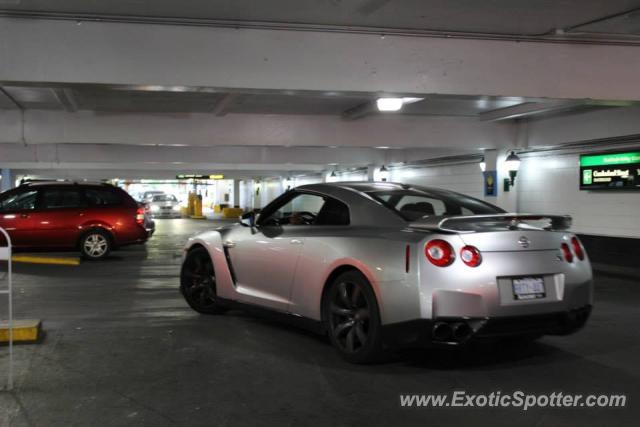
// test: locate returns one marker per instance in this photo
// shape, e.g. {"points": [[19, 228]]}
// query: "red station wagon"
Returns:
{"points": [[94, 218]]}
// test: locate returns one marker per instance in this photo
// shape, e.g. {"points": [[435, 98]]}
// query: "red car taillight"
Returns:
{"points": [[577, 248], [566, 252], [439, 253], [140, 216], [470, 255]]}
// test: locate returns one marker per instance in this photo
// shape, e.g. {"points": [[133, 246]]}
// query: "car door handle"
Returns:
{"points": [[229, 244], [295, 242], [24, 215]]}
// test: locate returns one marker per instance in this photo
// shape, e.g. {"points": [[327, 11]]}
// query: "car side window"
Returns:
{"points": [[102, 197], [302, 209], [59, 198], [309, 209], [21, 200], [333, 212]]}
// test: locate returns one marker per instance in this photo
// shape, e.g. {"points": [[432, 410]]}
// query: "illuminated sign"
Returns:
{"points": [[610, 171], [194, 176]]}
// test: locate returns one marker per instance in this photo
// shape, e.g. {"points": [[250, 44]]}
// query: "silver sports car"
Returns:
{"points": [[382, 265]]}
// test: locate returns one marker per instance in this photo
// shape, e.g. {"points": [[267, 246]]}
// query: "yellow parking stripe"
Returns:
{"points": [[33, 259]]}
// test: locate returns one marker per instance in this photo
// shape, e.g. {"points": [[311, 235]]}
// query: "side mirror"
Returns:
{"points": [[248, 219]]}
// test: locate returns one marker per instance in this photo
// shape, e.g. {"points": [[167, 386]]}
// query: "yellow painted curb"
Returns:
{"points": [[32, 259], [23, 330], [197, 217]]}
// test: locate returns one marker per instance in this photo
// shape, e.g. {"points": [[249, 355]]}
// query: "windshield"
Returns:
{"points": [[413, 204], [164, 198]]}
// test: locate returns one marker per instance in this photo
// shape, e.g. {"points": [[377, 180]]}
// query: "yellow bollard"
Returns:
{"points": [[197, 208], [190, 205]]}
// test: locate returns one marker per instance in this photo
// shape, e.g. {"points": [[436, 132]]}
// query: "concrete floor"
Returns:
{"points": [[123, 348]]}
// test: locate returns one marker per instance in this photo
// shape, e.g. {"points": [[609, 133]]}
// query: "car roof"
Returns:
{"points": [[364, 210], [366, 186], [64, 183]]}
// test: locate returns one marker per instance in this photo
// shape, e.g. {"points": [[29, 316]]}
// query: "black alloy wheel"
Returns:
{"points": [[353, 321], [198, 282]]}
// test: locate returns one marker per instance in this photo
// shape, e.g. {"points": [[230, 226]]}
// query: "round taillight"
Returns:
{"points": [[568, 256], [577, 248], [470, 255], [439, 253]]}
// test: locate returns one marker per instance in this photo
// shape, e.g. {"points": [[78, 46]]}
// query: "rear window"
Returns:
{"points": [[102, 197], [413, 204], [164, 198]]}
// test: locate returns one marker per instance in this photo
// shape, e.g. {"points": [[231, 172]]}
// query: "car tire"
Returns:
{"points": [[352, 318], [198, 282], [95, 244]]}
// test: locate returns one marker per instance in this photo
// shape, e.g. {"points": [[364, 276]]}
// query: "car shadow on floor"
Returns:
{"points": [[300, 343]]}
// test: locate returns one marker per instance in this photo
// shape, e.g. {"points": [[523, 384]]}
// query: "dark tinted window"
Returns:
{"points": [[165, 198], [102, 197], [414, 204], [18, 200], [333, 212], [55, 198], [306, 209]]}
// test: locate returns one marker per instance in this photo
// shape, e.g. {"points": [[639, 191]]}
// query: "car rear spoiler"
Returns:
{"points": [[447, 224]]}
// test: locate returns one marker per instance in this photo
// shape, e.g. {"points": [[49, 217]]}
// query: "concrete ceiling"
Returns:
{"points": [[506, 17], [77, 96], [158, 99]]}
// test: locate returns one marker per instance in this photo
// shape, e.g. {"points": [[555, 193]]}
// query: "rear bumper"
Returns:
{"points": [[457, 331], [167, 215]]}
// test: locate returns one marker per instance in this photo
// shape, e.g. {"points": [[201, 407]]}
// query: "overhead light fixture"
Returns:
{"points": [[512, 164], [483, 164], [395, 104], [389, 104], [384, 173], [410, 100]]}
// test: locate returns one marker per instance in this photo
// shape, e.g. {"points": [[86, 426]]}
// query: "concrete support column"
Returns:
{"points": [[6, 183], [371, 172], [235, 194], [507, 200], [491, 160]]}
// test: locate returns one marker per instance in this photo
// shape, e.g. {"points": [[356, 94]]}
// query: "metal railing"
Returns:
{"points": [[5, 255]]}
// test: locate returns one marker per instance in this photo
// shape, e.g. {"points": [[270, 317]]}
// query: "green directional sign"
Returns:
{"points": [[610, 159], [610, 171]]}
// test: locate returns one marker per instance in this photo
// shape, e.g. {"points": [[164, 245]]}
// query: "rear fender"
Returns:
{"points": [[90, 225]]}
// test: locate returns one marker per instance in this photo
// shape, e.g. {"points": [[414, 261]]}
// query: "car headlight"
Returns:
{"points": [[155, 208], [176, 208]]}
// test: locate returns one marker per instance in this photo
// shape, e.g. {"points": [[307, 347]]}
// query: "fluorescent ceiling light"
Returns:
{"points": [[389, 104], [395, 104]]}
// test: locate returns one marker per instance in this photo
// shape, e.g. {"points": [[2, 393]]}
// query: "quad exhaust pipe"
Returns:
{"points": [[454, 331]]}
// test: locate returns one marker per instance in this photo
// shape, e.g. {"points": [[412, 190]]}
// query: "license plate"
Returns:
{"points": [[528, 288]]}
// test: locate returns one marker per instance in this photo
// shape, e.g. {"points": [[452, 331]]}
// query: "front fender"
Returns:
{"points": [[212, 242]]}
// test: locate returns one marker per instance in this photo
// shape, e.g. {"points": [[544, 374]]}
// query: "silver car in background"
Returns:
{"points": [[164, 206], [382, 265]]}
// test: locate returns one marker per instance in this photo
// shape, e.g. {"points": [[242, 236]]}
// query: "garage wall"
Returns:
{"points": [[270, 190], [545, 184], [550, 184], [464, 178]]}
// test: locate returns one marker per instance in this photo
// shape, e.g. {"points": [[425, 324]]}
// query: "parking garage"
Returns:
{"points": [[457, 120]]}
